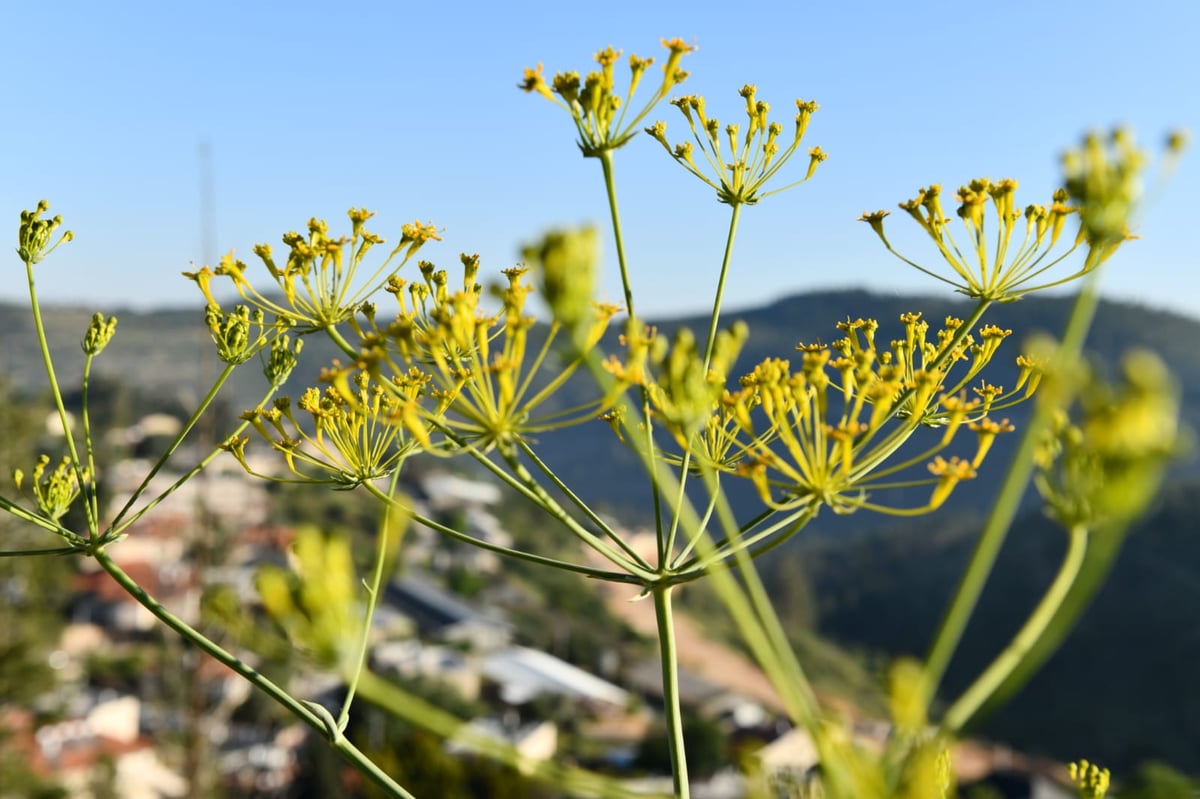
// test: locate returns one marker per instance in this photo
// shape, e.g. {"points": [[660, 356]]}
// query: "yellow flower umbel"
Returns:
{"points": [[319, 279], [1002, 270], [685, 397], [1102, 469], [827, 433], [54, 492], [602, 117], [349, 440], [482, 378], [754, 156], [35, 234], [319, 604]]}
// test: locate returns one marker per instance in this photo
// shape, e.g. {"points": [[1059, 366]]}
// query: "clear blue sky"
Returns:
{"points": [[412, 110]]}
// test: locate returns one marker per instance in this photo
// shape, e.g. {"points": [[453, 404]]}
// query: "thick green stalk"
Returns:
{"points": [[301, 711], [967, 705], [1007, 504], [610, 187], [670, 686], [715, 320]]}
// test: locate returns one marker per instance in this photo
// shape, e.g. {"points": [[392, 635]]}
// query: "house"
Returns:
{"points": [[518, 675], [439, 614], [532, 743]]}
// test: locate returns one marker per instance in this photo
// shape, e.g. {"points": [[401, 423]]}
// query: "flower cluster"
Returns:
{"points": [[1001, 270], [1104, 466], [319, 279], [827, 432], [601, 116], [754, 156], [34, 234], [55, 491], [350, 437], [441, 374], [1091, 780]]}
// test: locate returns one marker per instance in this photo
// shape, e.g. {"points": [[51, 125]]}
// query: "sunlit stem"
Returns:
{"points": [[383, 547], [90, 493], [68, 434], [670, 687], [584, 508], [967, 705], [519, 554], [713, 323], [338, 742], [170, 450], [1008, 502], [337, 338], [756, 620], [119, 524], [610, 188]]}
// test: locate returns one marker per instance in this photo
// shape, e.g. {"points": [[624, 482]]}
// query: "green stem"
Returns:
{"points": [[967, 705], [170, 450], [610, 187], [1007, 504], [584, 508], [337, 338], [40, 328], [714, 322], [118, 526], [670, 686], [373, 587], [23, 553], [90, 493], [341, 744], [458, 535]]}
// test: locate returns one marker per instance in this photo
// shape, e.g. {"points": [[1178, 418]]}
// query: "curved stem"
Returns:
{"points": [[381, 553], [965, 707], [670, 685], [343, 746], [40, 328], [966, 596]]}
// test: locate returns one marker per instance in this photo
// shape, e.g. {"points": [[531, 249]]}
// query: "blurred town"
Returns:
{"points": [[561, 671]]}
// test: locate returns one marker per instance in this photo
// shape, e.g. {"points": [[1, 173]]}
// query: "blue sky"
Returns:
{"points": [[412, 110]]}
